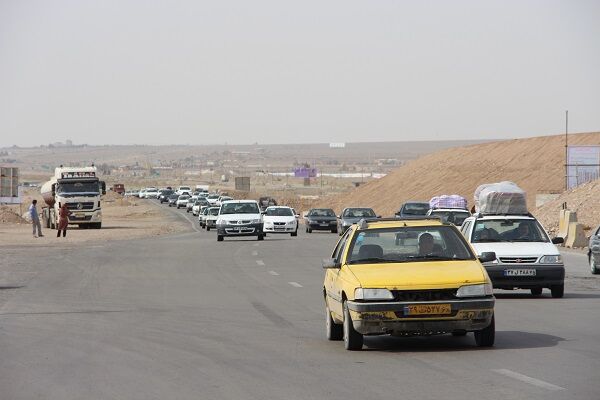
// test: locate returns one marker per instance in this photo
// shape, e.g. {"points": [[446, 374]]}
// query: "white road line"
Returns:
{"points": [[295, 284], [528, 379], [255, 253], [260, 262], [273, 273]]}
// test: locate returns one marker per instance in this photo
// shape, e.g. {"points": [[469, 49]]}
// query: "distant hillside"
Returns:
{"points": [[535, 164]]}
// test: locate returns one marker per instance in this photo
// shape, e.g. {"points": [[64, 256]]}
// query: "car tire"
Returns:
{"points": [[333, 331], [557, 291], [486, 336], [207, 228], [294, 233], [536, 291], [334, 230], [219, 238], [308, 230], [352, 339], [593, 268], [261, 237]]}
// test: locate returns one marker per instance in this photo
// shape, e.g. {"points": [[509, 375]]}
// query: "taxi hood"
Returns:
{"points": [[419, 275]]}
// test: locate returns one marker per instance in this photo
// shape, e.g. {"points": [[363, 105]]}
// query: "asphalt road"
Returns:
{"points": [[185, 317]]}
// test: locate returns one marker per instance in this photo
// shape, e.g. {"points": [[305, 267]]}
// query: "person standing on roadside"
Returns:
{"points": [[63, 220], [35, 219]]}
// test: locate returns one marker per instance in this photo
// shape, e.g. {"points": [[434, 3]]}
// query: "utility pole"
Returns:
{"points": [[566, 150]]}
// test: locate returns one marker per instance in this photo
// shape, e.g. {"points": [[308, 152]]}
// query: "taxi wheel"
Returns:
{"points": [[486, 336], [536, 291], [557, 291], [334, 331], [352, 339]]}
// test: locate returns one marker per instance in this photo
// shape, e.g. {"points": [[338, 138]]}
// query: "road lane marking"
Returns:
{"points": [[273, 273], [260, 262], [528, 379], [255, 253], [295, 284]]}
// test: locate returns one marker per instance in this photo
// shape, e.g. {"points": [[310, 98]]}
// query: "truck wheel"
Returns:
{"points": [[536, 291], [557, 291], [486, 336], [219, 238], [352, 339], [333, 331]]}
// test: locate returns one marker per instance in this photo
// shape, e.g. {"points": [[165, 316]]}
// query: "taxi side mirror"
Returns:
{"points": [[330, 263], [487, 256]]}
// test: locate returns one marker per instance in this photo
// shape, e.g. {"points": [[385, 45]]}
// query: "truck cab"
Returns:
{"points": [[81, 189]]}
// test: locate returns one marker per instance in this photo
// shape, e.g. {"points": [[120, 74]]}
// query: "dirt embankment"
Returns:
{"points": [[585, 200], [123, 218], [535, 164]]}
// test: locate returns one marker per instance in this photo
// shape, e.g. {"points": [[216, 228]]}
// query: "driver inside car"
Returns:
{"points": [[427, 245]]}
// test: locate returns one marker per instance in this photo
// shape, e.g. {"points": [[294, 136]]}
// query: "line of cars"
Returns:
{"points": [[430, 271]]}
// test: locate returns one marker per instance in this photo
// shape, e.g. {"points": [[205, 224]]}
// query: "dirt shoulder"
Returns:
{"points": [[122, 219]]}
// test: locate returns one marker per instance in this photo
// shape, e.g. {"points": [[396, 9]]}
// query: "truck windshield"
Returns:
{"points": [[66, 188]]}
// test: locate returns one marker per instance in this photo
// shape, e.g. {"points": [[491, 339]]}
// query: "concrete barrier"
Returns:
{"points": [[566, 218], [575, 236]]}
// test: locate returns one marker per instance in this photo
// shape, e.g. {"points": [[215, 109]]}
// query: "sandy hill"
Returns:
{"points": [[536, 164], [585, 200]]}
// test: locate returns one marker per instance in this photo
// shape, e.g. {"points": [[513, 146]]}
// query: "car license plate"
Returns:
{"points": [[428, 309], [79, 215], [519, 272], [324, 224]]}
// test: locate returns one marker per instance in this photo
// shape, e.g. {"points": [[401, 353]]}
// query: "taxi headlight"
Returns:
{"points": [[221, 222], [484, 289], [373, 294], [556, 259]]}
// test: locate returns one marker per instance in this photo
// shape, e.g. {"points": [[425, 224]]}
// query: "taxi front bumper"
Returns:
{"points": [[377, 318]]}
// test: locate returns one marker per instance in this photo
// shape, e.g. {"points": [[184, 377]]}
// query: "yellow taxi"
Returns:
{"points": [[406, 277]]}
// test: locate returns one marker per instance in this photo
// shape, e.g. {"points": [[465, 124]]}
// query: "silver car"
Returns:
{"points": [[594, 251]]}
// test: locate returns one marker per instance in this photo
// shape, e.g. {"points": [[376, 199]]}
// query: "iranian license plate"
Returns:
{"points": [[79, 215], [324, 224], [428, 309], [519, 272]]}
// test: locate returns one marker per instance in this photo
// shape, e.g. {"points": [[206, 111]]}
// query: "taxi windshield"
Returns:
{"points": [[408, 244]]}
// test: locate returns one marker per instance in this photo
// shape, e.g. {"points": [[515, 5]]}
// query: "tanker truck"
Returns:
{"points": [[80, 189]]}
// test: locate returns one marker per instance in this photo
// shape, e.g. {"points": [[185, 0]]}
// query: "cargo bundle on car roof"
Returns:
{"points": [[448, 201], [503, 198]]}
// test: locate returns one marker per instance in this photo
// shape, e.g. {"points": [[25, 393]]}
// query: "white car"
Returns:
{"points": [[212, 199], [223, 199], [454, 216], [182, 201], [211, 218], [280, 219], [240, 218], [151, 193], [202, 215], [526, 258], [142, 194], [183, 189]]}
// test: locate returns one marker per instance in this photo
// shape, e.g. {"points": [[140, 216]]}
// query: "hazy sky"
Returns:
{"points": [[160, 72]]}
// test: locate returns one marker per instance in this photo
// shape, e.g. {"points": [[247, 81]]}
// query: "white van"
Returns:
{"points": [[526, 258]]}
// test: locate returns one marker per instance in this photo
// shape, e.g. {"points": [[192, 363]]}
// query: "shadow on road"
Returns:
{"points": [[504, 340], [545, 296]]}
